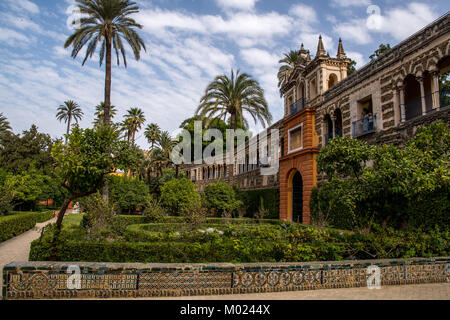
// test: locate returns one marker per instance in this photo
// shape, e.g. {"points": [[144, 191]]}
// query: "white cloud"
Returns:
{"points": [[237, 4], [402, 22], [355, 31], [350, 3], [358, 57], [13, 38], [20, 5]]}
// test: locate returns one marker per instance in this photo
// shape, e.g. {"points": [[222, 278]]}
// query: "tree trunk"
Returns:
{"points": [[107, 116], [233, 121], [68, 129], [62, 212]]}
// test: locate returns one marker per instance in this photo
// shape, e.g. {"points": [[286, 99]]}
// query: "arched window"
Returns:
{"points": [[413, 99], [328, 128], [338, 123], [444, 82], [332, 80]]}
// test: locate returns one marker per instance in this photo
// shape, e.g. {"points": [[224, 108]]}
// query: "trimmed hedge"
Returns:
{"points": [[41, 216], [13, 225], [252, 199], [257, 243]]}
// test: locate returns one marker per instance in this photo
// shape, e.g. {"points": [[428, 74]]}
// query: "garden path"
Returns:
{"points": [[18, 248]]}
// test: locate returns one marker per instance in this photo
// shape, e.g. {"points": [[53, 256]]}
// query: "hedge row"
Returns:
{"points": [[42, 216], [264, 243], [136, 219], [252, 199], [13, 225]]}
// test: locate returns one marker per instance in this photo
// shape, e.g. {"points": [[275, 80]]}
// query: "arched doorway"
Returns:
{"points": [[413, 100], [444, 82], [297, 197], [328, 129]]}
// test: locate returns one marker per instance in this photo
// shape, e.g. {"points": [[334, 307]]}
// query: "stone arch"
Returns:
{"points": [[413, 103], [332, 80]]}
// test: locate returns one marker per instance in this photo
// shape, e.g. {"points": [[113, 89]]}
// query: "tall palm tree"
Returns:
{"points": [[152, 133], [68, 111], [107, 23], [100, 113], [4, 124], [231, 97], [289, 61], [134, 120]]}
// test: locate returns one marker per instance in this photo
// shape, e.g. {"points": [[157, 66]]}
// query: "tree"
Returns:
{"points": [[351, 67], [152, 133], [100, 113], [107, 23], [128, 193], [231, 97], [179, 195], [68, 111], [32, 149], [289, 61], [134, 119], [89, 156], [221, 197], [4, 124], [383, 48]]}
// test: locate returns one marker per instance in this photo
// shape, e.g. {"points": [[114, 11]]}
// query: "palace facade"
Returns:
{"points": [[383, 102]]}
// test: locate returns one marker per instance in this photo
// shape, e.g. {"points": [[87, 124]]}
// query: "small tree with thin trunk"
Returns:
{"points": [[87, 158]]}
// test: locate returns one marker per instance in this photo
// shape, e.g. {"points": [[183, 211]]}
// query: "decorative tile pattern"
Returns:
{"points": [[49, 280]]}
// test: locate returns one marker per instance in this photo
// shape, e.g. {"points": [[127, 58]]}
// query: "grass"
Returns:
{"points": [[72, 220]]}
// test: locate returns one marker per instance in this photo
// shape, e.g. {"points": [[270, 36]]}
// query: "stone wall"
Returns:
{"points": [[47, 280]]}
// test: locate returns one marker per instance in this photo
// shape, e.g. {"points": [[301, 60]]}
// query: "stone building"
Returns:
{"points": [[383, 102]]}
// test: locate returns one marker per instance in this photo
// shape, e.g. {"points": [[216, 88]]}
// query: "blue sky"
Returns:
{"points": [[189, 42]]}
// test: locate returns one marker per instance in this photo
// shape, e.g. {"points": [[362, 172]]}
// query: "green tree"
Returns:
{"points": [[179, 194], [32, 149], [68, 111], [100, 113], [351, 67], [128, 194], [383, 48], [231, 97], [152, 133], [108, 23], [134, 119], [4, 124], [288, 64], [221, 198], [89, 156]]}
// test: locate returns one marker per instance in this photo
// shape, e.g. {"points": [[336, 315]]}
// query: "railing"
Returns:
{"points": [[364, 126], [297, 106], [444, 97]]}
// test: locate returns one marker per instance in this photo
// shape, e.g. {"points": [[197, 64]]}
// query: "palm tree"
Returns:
{"points": [[289, 61], [152, 133], [225, 96], [134, 120], [4, 124], [68, 111], [100, 113], [107, 23]]}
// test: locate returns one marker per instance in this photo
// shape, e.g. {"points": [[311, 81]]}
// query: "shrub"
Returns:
{"points": [[221, 197], [252, 199], [14, 225], [128, 194], [154, 212], [98, 215], [179, 194], [6, 199]]}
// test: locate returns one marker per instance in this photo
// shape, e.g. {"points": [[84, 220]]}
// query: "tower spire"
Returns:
{"points": [[341, 53], [320, 48]]}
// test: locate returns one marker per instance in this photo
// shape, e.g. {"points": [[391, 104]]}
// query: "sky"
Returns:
{"points": [[189, 43]]}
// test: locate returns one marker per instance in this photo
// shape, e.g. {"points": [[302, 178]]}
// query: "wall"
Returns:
{"points": [[40, 280]]}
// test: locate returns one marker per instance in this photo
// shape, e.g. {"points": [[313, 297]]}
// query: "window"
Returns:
{"points": [[296, 138]]}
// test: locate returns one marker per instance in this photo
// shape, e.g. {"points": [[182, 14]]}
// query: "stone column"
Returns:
{"points": [[395, 108], [333, 124], [422, 96], [402, 104], [435, 83]]}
